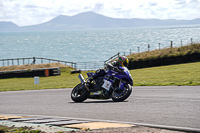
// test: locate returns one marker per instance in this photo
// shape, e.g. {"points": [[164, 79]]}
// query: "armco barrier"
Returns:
{"points": [[164, 61], [30, 73]]}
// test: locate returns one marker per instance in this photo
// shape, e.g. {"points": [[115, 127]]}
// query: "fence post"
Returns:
{"points": [[191, 41], [171, 44], [130, 51], [138, 49], [148, 47], [74, 65], [181, 43], [159, 46]]}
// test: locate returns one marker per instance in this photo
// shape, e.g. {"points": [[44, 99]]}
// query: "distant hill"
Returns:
{"points": [[8, 26], [91, 20]]}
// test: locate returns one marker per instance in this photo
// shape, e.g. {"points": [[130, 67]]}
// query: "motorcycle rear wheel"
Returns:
{"points": [[79, 93], [121, 95]]}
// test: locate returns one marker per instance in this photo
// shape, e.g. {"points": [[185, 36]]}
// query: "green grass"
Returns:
{"points": [[182, 74], [65, 80]]}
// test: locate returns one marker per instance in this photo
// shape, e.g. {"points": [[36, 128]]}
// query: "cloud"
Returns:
{"points": [[98, 7], [29, 12]]}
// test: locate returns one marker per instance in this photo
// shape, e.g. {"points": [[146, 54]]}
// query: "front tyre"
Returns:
{"points": [[121, 95], [79, 93]]}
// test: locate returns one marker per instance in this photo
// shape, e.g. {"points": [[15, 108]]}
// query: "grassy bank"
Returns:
{"points": [[182, 74], [33, 66], [164, 53]]}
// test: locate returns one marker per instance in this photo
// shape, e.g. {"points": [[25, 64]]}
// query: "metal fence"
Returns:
{"points": [[93, 65], [33, 60], [149, 47]]}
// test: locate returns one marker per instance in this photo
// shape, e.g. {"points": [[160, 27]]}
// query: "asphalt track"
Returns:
{"points": [[161, 105]]}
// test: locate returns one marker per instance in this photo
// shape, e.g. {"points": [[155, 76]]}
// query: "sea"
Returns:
{"points": [[94, 45]]}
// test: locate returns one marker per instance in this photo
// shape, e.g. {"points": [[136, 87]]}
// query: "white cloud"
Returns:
{"points": [[29, 12]]}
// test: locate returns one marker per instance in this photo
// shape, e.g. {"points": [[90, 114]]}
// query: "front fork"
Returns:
{"points": [[81, 78], [118, 85]]}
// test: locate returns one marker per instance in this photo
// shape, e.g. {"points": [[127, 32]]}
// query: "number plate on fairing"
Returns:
{"points": [[106, 84]]}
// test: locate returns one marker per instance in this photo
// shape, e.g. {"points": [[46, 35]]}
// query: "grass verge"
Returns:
{"points": [[4, 129], [182, 74]]}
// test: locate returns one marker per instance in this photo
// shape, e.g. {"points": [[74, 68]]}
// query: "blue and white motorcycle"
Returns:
{"points": [[112, 84]]}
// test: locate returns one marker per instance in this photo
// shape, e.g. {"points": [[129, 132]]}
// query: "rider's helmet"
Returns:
{"points": [[123, 61]]}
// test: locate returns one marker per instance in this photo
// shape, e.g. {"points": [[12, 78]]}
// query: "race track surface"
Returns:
{"points": [[160, 105]]}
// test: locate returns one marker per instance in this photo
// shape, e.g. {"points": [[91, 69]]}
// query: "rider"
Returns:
{"points": [[122, 61]]}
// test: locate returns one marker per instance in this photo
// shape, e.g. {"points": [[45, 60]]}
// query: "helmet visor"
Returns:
{"points": [[125, 63]]}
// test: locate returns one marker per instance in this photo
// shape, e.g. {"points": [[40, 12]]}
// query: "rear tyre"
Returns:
{"points": [[121, 95], [79, 93]]}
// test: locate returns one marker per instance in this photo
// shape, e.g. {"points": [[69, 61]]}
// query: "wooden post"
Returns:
{"points": [[171, 44], [159, 46], [138, 49], [191, 41], [130, 51], [148, 47], [181, 43]]}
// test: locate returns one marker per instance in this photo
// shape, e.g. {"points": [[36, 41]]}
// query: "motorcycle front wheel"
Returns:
{"points": [[79, 93], [121, 95]]}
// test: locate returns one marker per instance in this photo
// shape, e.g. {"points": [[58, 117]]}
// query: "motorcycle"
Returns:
{"points": [[113, 84]]}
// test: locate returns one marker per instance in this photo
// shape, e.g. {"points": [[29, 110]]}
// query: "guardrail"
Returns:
{"points": [[33, 60], [92, 65]]}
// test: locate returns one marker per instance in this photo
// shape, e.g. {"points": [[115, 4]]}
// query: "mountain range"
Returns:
{"points": [[91, 20]]}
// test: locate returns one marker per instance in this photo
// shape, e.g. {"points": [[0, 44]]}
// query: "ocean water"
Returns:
{"points": [[93, 45]]}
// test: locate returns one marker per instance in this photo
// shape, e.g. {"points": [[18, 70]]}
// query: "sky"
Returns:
{"points": [[31, 12]]}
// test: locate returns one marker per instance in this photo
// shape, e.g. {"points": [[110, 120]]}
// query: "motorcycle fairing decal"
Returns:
{"points": [[106, 84], [96, 93]]}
